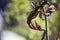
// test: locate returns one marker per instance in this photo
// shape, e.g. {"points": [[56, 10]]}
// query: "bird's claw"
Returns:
{"points": [[35, 27]]}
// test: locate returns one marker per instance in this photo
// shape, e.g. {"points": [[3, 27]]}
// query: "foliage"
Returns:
{"points": [[17, 16]]}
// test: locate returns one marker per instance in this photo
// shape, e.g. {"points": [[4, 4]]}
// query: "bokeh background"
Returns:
{"points": [[15, 16]]}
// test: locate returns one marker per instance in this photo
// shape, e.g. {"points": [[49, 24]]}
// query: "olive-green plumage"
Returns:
{"points": [[32, 15]]}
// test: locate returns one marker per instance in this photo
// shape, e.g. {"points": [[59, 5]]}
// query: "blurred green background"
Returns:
{"points": [[18, 12]]}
